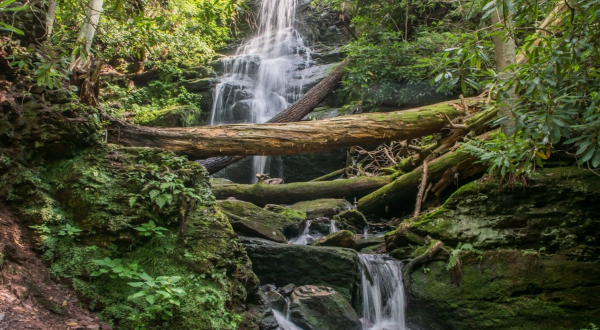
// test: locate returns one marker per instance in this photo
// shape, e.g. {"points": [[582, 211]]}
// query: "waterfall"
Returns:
{"points": [[261, 80], [383, 301], [284, 322], [306, 237], [332, 227]]}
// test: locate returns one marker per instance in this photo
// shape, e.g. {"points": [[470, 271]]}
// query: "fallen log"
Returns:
{"points": [[401, 194], [288, 138], [296, 112], [291, 193]]}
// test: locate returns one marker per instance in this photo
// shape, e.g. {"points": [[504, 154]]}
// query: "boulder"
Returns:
{"points": [[352, 219], [342, 238], [327, 207], [366, 242], [286, 221], [276, 300], [281, 264], [257, 229], [321, 308]]}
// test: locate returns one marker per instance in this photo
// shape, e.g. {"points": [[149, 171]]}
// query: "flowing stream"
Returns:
{"points": [[262, 79], [383, 300]]}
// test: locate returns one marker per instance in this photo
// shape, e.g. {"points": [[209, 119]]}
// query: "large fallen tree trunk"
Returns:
{"points": [[401, 194], [290, 138], [262, 194], [296, 112]]}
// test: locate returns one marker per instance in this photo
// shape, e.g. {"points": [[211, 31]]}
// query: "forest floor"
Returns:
{"points": [[29, 297]]}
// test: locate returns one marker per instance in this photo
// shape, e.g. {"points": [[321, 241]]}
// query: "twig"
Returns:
{"points": [[421, 190], [453, 125]]}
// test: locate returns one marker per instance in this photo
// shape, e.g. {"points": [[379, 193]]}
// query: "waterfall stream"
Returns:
{"points": [[262, 79], [383, 301]]}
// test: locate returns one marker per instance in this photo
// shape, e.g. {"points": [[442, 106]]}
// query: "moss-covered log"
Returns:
{"points": [[261, 194], [289, 138], [401, 194]]}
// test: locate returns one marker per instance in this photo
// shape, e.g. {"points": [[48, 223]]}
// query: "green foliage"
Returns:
{"points": [[386, 68], [69, 230], [454, 259], [508, 156], [591, 327], [157, 297], [554, 106], [4, 8], [149, 229]]}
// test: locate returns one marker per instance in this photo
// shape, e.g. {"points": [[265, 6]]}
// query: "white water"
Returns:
{"points": [[332, 227], [284, 322], [306, 237], [383, 301], [260, 81]]}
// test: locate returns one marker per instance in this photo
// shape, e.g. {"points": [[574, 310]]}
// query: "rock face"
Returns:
{"points": [[321, 308], [281, 264], [539, 268], [268, 223], [322, 207], [342, 238]]}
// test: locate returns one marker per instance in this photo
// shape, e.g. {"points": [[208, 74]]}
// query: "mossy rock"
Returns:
{"points": [[281, 264], [352, 219], [540, 267], [342, 238], [287, 221], [321, 308], [506, 290], [559, 211], [326, 207]]}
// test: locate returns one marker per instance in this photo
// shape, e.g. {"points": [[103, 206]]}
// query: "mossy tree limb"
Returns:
{"points": [[261, 194], [288, 138]]}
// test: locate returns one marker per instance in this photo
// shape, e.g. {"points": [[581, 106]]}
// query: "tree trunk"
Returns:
{"points": [[262, 194], [296, 112], [505, 55], [50, 16], [289, 138], [90, 23], [400, 195]]}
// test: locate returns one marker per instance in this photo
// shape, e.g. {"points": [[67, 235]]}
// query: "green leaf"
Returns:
{"points": [[136, 284], [151, 299]]}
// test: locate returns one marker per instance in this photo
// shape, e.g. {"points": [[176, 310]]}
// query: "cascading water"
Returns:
{"points": [[306, 237], [261, 80], [383, 301], [332, 227]]}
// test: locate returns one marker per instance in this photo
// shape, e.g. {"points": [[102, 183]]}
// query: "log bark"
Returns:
{"points": [[400, 194], [296, 112], [291, 193], [289, 138]]}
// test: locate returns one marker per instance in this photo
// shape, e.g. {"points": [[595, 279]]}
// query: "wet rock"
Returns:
{"points": [[276, 300], [321, 308], [327, 207], [321, 225], [287, 290], [352, 219], [366, 242], [257, 229], [282, 264], [286, 221], [201, 85], [342, 238]]}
